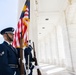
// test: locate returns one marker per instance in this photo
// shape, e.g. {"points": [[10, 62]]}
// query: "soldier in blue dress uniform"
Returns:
{"points": [[9, 64], [9, 56], [28, 52]]}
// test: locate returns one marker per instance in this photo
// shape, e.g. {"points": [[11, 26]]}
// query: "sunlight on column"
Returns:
{"points": [[49, 66], [60, 45], [55, 70]]}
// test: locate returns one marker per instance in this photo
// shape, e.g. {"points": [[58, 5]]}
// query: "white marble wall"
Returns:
{"points": [[72, 37], [71, 27]]}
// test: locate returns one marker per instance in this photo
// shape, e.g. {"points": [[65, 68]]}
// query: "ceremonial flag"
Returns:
{"points": [[22, 26]]}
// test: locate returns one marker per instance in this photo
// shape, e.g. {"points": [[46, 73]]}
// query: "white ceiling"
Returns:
{"points": [[51, 9], [44, 26], [51, 5]]}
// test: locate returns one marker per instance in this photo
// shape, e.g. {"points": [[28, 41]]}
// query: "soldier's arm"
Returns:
{"points": [[4, 66]]}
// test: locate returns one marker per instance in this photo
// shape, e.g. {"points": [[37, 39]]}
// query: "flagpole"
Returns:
{"points": [[28, 41], [21, 56], [36, 62]]}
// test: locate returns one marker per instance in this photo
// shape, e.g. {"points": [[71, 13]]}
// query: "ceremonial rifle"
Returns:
{"points": [[36, 63]]}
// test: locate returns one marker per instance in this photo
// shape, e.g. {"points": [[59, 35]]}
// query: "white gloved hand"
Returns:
{"points": [[28, 71], [15, 73], [37, 67]]}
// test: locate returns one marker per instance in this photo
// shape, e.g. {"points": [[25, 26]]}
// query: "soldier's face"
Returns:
{"points": [[10, 35]]}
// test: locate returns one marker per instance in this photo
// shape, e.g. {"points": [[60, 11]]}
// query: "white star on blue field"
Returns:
{"points": [[8, 14]]}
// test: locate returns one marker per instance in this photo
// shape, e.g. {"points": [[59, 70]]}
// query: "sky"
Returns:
{"points": [[8, 14]]}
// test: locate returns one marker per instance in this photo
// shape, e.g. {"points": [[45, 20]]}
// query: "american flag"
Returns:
{"points": [[22, 26]]}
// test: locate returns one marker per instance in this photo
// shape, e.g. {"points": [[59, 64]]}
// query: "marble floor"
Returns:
{"points": [[47, 69]]}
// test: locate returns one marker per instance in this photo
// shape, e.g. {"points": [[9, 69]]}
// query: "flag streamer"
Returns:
{"points": [[22, 26]]}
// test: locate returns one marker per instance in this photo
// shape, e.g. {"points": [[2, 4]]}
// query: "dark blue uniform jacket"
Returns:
{"points": [[28, 52], [8, 56]]}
